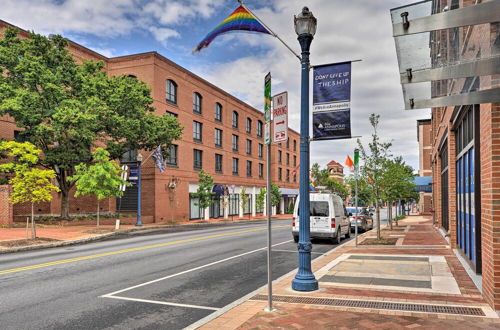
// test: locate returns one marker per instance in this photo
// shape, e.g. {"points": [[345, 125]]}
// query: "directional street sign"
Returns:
{"points": [[267, 97], [280, 117]]}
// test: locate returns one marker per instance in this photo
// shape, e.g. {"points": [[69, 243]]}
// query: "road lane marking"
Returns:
{"points": [[140, 248], [164, 303], [189, 270], [296, 251]]}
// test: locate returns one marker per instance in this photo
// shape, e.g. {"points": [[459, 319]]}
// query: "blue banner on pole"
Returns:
{"points": [[332, 101], [134, 174]]}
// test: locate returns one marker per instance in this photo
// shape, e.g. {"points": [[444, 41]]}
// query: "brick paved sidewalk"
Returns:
{"points": [[386, 285]]}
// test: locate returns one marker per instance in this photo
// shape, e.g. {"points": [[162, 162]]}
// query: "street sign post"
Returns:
{"points": [[280, 117], [267, 141]]}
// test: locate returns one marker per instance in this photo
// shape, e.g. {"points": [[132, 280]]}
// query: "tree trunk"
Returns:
{"points": [[64, 204], [389, 213], [377, 212], [98, 212], [33, 230]]}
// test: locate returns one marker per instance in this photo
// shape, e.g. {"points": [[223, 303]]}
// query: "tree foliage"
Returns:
{"points": [[101, 179], [29, 184], [275, 195], [244, 198], [204, 192], [322, 178], [67, 110], [260, 198]]}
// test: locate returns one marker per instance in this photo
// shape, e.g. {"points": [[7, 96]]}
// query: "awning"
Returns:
{"points": [[218, 189], [289, 192]]}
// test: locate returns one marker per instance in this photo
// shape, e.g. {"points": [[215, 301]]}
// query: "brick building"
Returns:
{"points": [[222, 135], [424, 169], [457, 69], [336, 171]]}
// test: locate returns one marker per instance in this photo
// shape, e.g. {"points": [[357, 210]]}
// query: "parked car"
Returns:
{"points": [[363, 218], [328, 218]]}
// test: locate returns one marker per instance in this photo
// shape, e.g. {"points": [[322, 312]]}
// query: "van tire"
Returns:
{"points": [[296, 239], [338, 237], [348, 234]]}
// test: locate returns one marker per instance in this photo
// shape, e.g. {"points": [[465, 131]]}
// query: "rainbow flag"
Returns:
{"points": [[240, 20]]}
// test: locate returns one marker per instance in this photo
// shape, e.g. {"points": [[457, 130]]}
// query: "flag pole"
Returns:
{"points": [[271, 31]]}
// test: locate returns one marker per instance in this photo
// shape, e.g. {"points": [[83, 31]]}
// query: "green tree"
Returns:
{"points": [[244, 200], [336, 187], [364, 193], [397, 183], [374, 159], [260, 198], [67, 110], [204, 192], [29, 184], [320, 175], [275, 195], [102, 178]]}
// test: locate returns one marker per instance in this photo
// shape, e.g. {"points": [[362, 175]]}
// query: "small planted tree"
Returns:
{"points": [[260, 198], [102, 178], [374, 158], [204, 192], [29, 184], [275, 195], [244, 200]]}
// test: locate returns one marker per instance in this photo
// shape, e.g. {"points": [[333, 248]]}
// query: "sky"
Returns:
{"points": [[238, 62]]}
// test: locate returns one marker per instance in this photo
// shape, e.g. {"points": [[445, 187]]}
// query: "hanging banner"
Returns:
{"points": [[267, 108], [332, 101], [280, 117]]}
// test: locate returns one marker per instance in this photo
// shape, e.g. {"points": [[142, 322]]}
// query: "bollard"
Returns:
{"points": [[117, 224]]}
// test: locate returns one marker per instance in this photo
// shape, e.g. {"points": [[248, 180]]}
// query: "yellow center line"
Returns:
{"points": [[145, 247]]}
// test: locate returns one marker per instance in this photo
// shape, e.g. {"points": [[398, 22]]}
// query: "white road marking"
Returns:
{"points": [[164, 303], [108, 295], [295, 251]]}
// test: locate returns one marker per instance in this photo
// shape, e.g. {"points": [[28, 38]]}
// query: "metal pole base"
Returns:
{"points": [[267, 310], [306, 284]]}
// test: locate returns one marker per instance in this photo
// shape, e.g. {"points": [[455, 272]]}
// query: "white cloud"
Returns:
{"points": [[357, 29], [163, 34]]}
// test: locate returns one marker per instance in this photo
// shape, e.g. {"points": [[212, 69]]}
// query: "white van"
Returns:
{"points": [[328, 218]]}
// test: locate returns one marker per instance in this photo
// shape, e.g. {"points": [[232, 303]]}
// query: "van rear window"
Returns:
{"points": [[317, 209]]}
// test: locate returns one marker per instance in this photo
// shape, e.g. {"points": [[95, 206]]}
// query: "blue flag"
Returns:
{"points": [[158, 158]]}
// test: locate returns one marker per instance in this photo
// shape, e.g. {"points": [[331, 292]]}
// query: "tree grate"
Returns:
{"points": [[440, 309]]}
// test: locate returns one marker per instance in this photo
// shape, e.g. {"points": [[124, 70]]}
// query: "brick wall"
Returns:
{"points": [[6, 214]]}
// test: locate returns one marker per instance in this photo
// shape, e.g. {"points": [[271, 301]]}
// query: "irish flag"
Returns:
{"points": [[349, 163]]}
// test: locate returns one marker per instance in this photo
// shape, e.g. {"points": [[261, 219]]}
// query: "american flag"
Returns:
{"points": [[158, 158]]}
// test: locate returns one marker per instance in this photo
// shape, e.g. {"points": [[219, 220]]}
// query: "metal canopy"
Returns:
{"points": [[447, 56]]}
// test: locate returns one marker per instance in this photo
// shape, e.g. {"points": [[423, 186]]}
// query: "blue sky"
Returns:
{"points": [[355, 29]]}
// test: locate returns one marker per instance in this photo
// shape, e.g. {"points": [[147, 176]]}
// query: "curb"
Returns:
{"points": [[134, 231]]}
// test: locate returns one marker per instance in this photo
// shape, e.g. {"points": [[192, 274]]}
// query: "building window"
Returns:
{"points": [[197, 130], [287, 158], [172, 114], [234, 204], [249, 147], [249, 168], [294, 160], [172, 155], [261, 150], [294, 145], [279, 156], [295, 178], [171, 92], [235, 143], [128, 157], [218, 138], [259, 128], [218, 163], [195, 211], [235, 166], [288, 143], [280, 174], [218, 112], [261, 171], [197, 159], [249, 126], [287, 175], [235, 119], [197, 103]]}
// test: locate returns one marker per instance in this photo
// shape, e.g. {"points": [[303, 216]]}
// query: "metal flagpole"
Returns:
{"points": [[356, 169], [267, 141], [270, 31]]}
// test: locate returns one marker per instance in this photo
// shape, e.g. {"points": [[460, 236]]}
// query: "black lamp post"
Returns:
{"points": [[305, 27]]}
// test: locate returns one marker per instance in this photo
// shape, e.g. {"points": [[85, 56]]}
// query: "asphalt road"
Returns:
{"points": [[159, 281], [164, 281]]}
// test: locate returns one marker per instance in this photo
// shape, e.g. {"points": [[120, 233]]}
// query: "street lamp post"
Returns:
{"points": [[139, 163], [305, 26]]}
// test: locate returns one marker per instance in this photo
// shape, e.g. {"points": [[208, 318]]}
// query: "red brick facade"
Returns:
{"points": [[160, 200], [484, 202], [6, 214], [425, 169]]}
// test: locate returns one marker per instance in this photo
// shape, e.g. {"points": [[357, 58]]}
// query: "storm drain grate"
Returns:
{"points": [[441, 309]]}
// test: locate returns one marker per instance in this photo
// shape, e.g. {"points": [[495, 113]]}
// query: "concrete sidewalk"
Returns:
{"points": [[417, 283], [73, 233]]}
